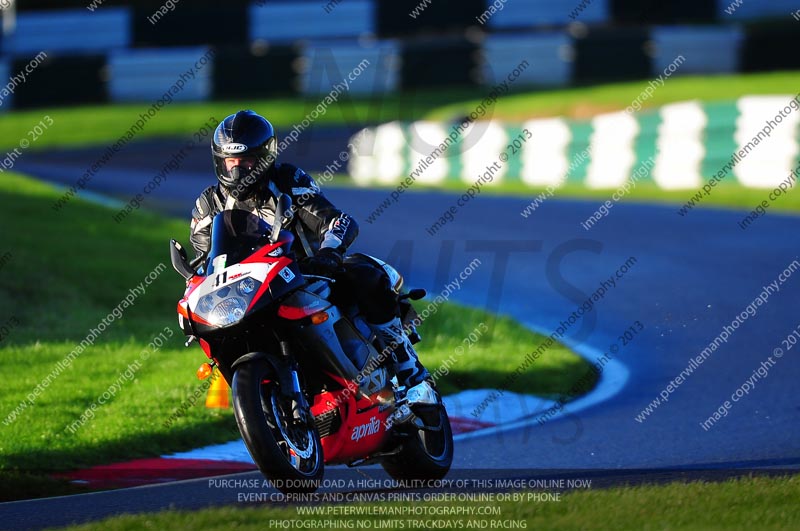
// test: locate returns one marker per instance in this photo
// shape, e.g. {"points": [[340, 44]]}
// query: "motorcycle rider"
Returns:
{"points": [[244, 151]]}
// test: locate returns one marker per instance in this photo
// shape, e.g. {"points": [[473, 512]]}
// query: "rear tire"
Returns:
{"points": [[290, 455], [425, 454]]}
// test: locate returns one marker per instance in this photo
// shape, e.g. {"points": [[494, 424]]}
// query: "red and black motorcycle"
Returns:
{"points": [[310, 384]]}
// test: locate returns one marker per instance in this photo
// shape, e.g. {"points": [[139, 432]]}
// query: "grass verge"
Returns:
{"points": [[584, 102], [102, 124], [63, 272], [747, 503]]}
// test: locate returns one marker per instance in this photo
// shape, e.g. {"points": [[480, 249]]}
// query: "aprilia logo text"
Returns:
{"points": [[365, 430]]}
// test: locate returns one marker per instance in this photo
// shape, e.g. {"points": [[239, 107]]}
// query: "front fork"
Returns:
{"points": [[300, 408]]}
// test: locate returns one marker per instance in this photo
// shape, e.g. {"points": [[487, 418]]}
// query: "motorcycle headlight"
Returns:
{"points": [[205, 304], [228, 304], [228, 311]]}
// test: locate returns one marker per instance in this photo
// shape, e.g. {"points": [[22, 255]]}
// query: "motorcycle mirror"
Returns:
{"points": [[414, 294], [179, 260], [283, 206]]}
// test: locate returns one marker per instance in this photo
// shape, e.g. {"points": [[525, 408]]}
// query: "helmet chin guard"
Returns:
{"points": [[246, 181], [243, 135]]}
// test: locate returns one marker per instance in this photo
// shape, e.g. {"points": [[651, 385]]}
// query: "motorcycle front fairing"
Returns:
{"points": [[244, 272]]}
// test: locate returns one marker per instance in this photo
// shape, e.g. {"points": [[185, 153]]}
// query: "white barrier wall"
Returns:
{"points": [[756, 137]]}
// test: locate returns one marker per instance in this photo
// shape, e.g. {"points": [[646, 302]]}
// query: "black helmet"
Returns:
{"points": [[244, 134]]}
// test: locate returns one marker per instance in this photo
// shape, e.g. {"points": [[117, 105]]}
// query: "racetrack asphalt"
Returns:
{"points": [[691, 277]]}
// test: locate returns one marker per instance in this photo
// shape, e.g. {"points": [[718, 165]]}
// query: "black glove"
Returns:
{"points": [[325, 263]]}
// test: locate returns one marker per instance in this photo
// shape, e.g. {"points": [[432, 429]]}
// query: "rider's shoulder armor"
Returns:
{"points": [[294, 181]]}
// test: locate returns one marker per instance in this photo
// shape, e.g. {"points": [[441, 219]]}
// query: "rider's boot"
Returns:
{"points": [[410, 372]]}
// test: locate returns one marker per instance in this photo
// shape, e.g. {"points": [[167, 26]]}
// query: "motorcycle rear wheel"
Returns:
{"points": [[286, 452]]}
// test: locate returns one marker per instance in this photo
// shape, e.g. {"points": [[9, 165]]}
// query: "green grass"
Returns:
{"points": [[585, 102], [69, 269], [101, 124], [488, 362], [747, 503]]}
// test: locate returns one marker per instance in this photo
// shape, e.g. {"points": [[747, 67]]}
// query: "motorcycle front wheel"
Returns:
{"points": [[287, 451]]}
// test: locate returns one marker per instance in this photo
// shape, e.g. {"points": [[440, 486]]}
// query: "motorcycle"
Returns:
{"points": [[309, 379]]}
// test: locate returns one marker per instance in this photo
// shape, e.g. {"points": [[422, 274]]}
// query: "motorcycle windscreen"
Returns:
{"points": [[235, 235]]}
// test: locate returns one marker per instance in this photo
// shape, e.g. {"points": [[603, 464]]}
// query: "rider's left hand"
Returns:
{"points": [[325, 263]]}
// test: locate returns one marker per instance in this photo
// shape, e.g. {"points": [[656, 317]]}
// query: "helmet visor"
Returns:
{"points": [[245, 163]]}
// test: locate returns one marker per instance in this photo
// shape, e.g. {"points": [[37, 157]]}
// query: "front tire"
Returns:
{"points": [[287, 452], [425, 454]]}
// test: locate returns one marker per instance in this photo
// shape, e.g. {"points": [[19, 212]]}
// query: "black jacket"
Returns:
{"points": [[315, 218]]}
